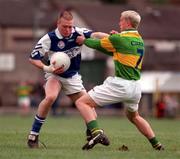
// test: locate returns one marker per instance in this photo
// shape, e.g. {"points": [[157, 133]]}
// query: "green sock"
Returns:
{"points": [[92, 125], [153, 141]]}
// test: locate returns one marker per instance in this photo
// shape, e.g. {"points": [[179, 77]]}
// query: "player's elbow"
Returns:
{"points": [[30, 60]]}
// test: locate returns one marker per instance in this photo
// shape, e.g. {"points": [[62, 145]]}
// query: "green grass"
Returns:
{"points": [[64, 137]]}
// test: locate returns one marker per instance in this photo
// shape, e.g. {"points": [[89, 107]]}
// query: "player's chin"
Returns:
{"points": [[66, 35]]}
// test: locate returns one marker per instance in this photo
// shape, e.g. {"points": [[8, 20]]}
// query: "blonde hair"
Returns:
{"points": [[66, 15], [133, 17]]}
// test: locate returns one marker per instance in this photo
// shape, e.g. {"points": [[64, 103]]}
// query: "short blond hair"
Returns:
{"points": [[133, 16], [66, 15]]}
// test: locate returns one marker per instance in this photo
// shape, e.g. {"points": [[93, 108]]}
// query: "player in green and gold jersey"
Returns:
{"points": [[127, 50]]}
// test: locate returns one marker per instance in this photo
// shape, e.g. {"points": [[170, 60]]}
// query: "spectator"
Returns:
{"points": [[160, 108], [171, 106], [23, 93]]}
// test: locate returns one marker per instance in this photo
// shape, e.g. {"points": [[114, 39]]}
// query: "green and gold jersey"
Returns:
{"points": [[127, 49], [23, 90]]}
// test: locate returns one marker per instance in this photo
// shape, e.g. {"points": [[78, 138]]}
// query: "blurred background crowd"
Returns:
{"points": [[23, 22]]}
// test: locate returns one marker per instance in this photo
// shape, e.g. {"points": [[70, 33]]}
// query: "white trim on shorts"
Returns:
{"points": [[70, 85], [115, 90]]}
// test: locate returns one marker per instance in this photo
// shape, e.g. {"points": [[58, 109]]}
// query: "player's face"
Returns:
{"points": [[123, 23], [65, 27]]}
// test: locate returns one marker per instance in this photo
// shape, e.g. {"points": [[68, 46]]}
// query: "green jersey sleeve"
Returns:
{"points": [[96, 44]]}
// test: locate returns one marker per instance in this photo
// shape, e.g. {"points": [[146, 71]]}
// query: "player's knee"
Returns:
{"points": [[50, 99], [78, 103], [133, 117], [130, 118]]}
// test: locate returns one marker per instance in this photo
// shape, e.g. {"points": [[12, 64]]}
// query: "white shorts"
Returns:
{"points": [[70, 85], [115, 90], [24, 101]]}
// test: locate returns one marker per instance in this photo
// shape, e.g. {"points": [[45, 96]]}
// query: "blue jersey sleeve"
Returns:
{"points": [[84, 31], [88, 34], [35, 55], [41, 48]]}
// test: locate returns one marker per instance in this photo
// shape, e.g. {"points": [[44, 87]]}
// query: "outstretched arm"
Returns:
{"points": [[96, 44], [99, 35], [93, 43]]}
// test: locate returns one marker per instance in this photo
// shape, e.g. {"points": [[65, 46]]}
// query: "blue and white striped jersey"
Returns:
{"points": [[54, 42]]}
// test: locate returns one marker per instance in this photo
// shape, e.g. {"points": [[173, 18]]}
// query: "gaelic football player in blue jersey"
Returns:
{"points": [[62, 39]]}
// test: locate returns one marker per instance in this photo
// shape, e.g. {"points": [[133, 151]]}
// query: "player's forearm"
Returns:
{"points": [[36, 63], [96, 44], [40, 65], [99, 35]]}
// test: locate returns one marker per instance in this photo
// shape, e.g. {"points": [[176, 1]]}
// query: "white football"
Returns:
{"points": [[60, 60]]}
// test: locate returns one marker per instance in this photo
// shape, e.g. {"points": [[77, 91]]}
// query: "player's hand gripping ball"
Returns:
{"points": [[60, 60]]}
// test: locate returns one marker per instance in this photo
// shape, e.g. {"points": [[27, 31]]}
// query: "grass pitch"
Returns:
{"points": [[64, 137]]}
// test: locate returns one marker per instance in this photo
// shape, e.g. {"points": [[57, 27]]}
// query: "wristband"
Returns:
{"points": [[47, 69]]}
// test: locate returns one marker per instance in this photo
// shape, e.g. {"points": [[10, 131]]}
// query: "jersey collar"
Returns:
{"points": [[129, 31], [58, 34]]}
